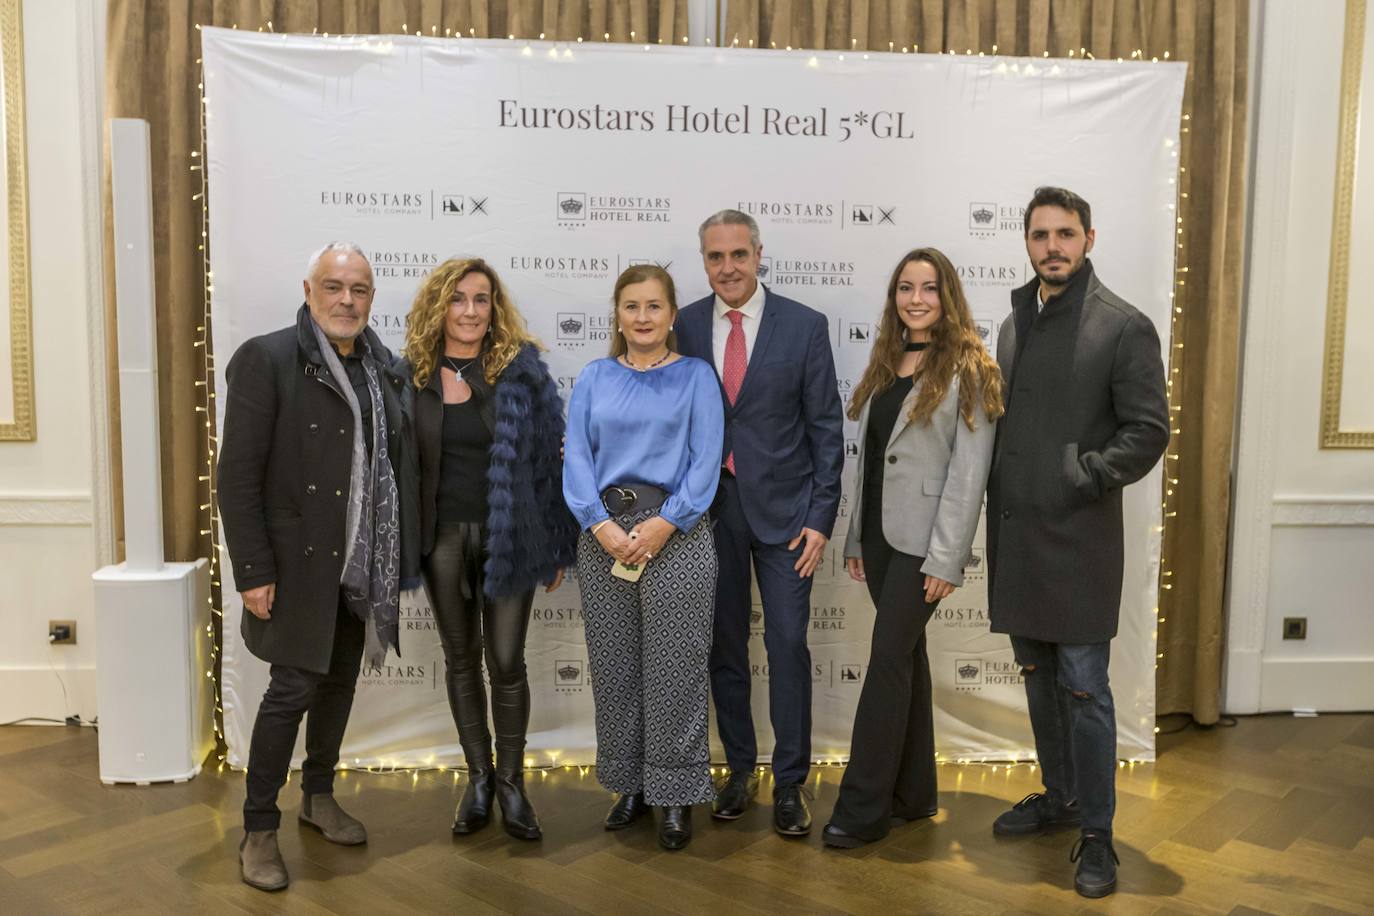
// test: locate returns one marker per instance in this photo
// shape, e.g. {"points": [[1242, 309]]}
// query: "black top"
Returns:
{"points": [[882, 419], [465, 446], [357, 376]]}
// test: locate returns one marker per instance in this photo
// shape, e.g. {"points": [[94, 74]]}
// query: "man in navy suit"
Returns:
{"points": [[779, 494]]}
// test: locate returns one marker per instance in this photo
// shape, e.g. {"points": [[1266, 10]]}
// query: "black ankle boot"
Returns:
{"points": [[675, 829], [517, 814], [474, 811]]}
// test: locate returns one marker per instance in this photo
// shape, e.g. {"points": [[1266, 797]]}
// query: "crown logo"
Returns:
{"points": [[982, 215], [573, 205], [968, 672], [763, 270], [570, 325], [568, 672]]}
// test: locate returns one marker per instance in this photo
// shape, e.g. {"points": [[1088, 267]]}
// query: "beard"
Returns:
{"points": [[1060, 281]]}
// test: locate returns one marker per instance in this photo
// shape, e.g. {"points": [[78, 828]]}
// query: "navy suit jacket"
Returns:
{"points": [[787, 426]]}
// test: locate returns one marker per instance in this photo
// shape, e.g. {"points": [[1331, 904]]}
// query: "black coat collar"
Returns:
{"points": [[372, 345]]}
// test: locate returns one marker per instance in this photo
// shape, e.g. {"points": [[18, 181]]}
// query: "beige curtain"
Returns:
{"points": [[1211, 36], [152, 73]]}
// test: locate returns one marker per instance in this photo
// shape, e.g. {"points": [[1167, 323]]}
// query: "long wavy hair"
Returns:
{"points": [[424, 344], [956, 349], [638, 273]]}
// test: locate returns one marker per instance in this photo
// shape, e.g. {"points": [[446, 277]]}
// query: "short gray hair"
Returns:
{"points": [[340, 247], [730, 218]]}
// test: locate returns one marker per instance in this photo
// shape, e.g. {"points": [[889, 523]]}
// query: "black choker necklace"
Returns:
{"points": [[916, 346]]}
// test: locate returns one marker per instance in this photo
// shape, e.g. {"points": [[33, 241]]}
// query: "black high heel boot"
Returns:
{"points": [[517, 814], [474, 811]]}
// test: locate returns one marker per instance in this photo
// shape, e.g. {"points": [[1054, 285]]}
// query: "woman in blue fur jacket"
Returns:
{"points": [[488, 425]]}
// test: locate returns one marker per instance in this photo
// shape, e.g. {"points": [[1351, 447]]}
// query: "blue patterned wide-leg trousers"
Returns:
{"points": [[649, 648]]}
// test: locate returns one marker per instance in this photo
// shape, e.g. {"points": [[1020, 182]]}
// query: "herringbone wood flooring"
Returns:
{"points": [[1275, 815]]}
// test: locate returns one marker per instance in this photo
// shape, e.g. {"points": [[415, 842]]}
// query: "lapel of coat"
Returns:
{"points": [[1023, 310], [903, 414], [703, 321], [768, 320], [701, 326]]}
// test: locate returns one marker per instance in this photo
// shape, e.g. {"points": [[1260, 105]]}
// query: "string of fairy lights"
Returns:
{"points": [[210, 520]]}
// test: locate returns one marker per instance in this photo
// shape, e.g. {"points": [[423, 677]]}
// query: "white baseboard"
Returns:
{"points": [[1243, 676], [37, 692], [1326, 685]]}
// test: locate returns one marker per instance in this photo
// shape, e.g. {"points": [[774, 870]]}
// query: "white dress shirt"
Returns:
{"points": [[753, 313]]}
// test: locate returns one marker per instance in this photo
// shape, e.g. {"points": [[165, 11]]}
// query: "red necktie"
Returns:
{"points": [[736, 361]]}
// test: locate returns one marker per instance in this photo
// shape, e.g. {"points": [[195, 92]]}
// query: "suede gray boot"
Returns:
{"points": [[260, 862], [324, 814]]}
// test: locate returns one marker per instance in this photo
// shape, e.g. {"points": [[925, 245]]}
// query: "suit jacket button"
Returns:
{"points": [[342, 431], [314, 427], [338, 492], [891, 459], [310, 551], [334, 553], [310, 488], [247, 566]]}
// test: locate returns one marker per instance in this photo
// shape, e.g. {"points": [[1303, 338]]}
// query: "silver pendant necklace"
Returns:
{"points": [[452, 364]]}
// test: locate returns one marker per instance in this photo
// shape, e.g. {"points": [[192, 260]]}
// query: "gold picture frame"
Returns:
{"points": [[1337, 305], [17, 421]]}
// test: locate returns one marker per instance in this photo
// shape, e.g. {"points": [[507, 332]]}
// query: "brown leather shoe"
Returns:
{"points": [[324, 814], [260, 862]]}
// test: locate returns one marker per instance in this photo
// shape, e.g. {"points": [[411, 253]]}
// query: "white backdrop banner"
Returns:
{"points": [[563, 164]]}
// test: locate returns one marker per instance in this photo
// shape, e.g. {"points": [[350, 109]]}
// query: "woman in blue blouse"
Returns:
{"points": [[642, 462]]}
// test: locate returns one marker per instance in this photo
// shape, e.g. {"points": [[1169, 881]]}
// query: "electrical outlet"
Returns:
{"points": [[1295, 628], [62, 632]]}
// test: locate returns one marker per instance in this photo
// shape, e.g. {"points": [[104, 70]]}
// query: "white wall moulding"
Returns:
{"points": [[1347, 418], [1275, 107], [1306, 511], [90, 41], [45, 509]]}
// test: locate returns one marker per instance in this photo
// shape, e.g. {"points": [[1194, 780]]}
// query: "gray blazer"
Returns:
{"points": [[934, 477]]}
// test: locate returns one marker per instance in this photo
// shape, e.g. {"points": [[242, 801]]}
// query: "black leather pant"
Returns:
{"points": [[468, 622]]}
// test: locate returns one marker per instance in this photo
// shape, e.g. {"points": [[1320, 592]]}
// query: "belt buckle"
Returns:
{"points": [[627, 498]]}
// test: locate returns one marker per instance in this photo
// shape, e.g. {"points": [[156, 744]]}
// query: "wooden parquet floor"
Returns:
{"points": [[1273, 816]]}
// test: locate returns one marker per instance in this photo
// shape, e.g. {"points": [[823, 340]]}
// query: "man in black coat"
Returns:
{"points": [[308, 492], [1087, 414]]}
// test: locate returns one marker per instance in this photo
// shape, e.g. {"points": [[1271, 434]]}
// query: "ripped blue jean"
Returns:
{"points": [[1074, 720]]}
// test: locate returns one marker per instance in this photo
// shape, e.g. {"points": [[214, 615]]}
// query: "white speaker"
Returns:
{"points": [[152, 643]]}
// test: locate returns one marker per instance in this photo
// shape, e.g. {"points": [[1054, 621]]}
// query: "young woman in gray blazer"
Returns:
{"points": [[927, 407]]}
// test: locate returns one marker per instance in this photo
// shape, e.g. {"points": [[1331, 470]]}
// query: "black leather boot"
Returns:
{"points": [[675, 829], [517, 814], [626, 810], [474, 811]]}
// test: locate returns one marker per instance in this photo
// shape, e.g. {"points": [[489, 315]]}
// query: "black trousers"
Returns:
{"points": [[469, 623], [891, 767], [291, 694]]}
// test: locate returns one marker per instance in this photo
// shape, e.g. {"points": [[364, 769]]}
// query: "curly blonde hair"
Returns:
{"points": [[424, 344], [956, 349]]}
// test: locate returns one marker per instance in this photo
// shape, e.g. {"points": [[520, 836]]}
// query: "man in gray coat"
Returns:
{"points": [[1087, 414]]}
